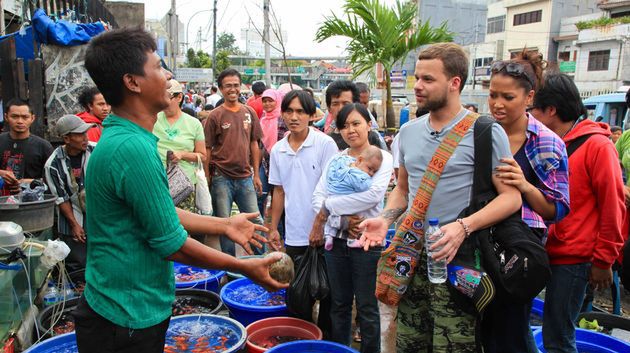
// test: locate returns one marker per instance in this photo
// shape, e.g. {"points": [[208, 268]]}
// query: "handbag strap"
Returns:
{"points": [[430, 178]]}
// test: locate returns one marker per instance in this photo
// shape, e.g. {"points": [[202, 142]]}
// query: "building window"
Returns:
{"points": [[527, 17], [480, 62], [564, 56], [496, 24], [598, 60]]}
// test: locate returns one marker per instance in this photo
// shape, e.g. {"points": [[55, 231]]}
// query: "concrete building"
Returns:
{"points": [[532, 24], [596, 56], [127, 14], [255, 45], [160, 29]]}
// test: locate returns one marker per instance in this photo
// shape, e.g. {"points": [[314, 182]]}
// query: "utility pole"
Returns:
{"points": [[214, 41], [267, 46], [475, 54], [172, 35], [2, 24]]}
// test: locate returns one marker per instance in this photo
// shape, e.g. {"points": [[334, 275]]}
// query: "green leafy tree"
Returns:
{"points": [[380, 34], [200, 59], [223, 61], [227, 42]]}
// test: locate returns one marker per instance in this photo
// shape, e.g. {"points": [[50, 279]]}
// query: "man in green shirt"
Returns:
{"points": [[135, 230]]}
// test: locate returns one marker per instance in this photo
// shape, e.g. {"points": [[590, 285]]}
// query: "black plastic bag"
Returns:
{"points": [[310, 284]]}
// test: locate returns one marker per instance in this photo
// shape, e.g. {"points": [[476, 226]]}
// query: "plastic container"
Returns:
{"points": [[243, 297], [33, 216], [210, 279], [11, 237], [66, 343], [209, 328], [234, 275], [261, 330], [591, 342], [51, 295], [210, 300], [43, 319], [312, 347]]}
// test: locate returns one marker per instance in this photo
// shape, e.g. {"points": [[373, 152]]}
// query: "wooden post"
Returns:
{"points": [[36, 95], [22, 84], [9, 76]]}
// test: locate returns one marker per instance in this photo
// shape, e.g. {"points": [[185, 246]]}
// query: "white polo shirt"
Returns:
{"points": [[298, 173]]}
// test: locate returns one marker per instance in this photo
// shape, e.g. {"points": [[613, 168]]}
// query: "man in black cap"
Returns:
{"points": [[65, 172]]}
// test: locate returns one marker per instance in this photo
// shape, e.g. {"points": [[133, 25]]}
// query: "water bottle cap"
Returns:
{"points": [[434, 221]]}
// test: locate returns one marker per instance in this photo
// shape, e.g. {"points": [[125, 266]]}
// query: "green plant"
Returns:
{"points": [[602, 22], [380, 34]]}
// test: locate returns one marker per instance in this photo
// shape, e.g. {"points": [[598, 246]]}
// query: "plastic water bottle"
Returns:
{"points": [[68, 291], [51, 296], [436, 270]]}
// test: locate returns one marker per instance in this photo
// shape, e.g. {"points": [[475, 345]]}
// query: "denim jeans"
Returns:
{"points": [[227, 190], [352, 274], [563, 300]]}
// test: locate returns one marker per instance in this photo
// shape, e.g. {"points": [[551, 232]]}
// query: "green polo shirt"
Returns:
{"points": [[133, 228]]}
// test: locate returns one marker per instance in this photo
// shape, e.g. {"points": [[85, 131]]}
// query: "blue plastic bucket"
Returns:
{"points": [[234, 275], [538, 306], [247, 301], [311, 347], [591, 342], [213, 329], [66, 343], [207, 279]]}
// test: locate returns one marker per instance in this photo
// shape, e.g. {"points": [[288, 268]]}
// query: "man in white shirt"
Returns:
{"points": [[214, 97], [296, 164]]}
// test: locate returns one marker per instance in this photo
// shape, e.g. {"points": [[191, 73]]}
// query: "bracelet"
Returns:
{"points": [[465, 226]]}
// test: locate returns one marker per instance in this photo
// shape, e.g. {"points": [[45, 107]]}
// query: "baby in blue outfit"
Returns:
{"points": [[347, 175]]}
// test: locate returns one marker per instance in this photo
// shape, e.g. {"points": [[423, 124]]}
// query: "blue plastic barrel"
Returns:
{"points": [[210, 282], [538, 306], [66, 343], [311, 346], [591, 342], [206, 330], [246, 301]]}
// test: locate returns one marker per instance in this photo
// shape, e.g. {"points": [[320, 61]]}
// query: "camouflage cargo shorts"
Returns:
{"points": [[429, 321]]}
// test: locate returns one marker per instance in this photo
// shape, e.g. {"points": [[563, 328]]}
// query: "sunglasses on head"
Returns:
{"points": [[511, 68]]}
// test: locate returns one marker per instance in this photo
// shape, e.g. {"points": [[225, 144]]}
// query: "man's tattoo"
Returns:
{"points": [[392, 214]]}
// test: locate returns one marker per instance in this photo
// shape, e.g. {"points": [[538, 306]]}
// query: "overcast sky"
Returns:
{"points": [[299, 18]]}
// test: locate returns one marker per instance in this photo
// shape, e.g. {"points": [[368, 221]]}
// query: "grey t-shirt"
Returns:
{"points": [[453, 191]]}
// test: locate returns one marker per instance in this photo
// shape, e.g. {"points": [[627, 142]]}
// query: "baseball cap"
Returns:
{"points": [[176, 87], [68, 124]]}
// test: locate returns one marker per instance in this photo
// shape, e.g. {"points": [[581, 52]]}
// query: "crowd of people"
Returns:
{"points": [[327, 176]]}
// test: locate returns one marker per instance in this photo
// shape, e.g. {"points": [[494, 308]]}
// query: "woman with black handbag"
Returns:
{"points": [[539, 170]]}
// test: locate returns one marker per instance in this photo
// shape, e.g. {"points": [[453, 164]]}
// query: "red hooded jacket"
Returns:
{"points": [[592, 231], [94, 134]]}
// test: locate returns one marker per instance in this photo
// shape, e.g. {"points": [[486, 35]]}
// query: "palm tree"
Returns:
{"points": [[380, 34]]}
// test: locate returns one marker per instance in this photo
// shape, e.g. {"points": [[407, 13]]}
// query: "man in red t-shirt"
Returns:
{"points": [[255, 101], [232, 133], [96, 110]]}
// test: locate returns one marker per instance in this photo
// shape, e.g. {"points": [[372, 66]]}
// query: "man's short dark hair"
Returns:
{"points": [[258, 87], [227, 72], [114, 54], [336, 88], [214, 89], [615, 128], [306, 101], [362, 87], [453, 58], [17, 102], [86, 97], [559, 91]]}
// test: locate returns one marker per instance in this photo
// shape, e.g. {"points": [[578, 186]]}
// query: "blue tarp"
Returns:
{"points": [[63, 32], [23, 43]]}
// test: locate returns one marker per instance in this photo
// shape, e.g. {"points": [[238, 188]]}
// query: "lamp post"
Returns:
{"points": [[187, 24]]}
